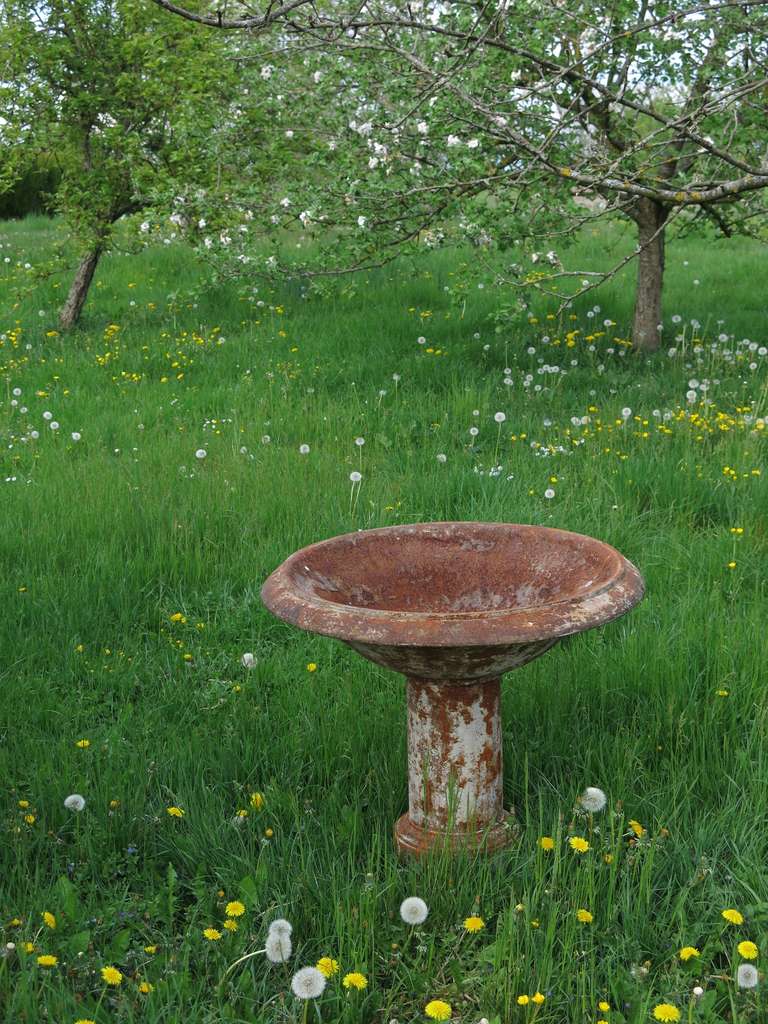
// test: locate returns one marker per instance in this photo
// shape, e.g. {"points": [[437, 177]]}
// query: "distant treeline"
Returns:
{"points": [[32, 193]]}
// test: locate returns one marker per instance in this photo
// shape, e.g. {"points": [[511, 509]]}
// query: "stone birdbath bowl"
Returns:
{"points": [[453, 605]]}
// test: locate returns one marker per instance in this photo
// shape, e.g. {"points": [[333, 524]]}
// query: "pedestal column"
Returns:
{"points": [[455, 778]]}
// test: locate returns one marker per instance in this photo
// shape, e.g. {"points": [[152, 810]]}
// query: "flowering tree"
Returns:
{"points": [[514, 124], [121, 98]]}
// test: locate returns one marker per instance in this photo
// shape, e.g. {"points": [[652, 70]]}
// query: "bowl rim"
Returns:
{"points": [[607, 600]]}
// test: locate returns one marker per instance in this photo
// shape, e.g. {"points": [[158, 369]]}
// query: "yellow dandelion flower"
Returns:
{"points": [[83, 744], [30, 819], [268, 833], [235, 909], [637, 828], [257, 801], [212, 934], [748, 950], [355, 980], [23, 804], [327, 966], [523, 1000], [85, 1020], [145, 988], [733, 916], [49, 919], [175, 812], [666, 1012], [603, 1006], [608, 858], [538, 998], [438, 1010], [584, 916], [547, 843], [231, 925], [474, 924], [311, 667], [29, 947], [111, 975], [578, 845], [46, 960], [150, 949], [687, 952]]}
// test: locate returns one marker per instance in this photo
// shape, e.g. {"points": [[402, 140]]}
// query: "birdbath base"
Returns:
{"points": [[412, 840]]}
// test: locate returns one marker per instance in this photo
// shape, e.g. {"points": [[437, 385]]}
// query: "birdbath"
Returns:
{"points": [[453, 606]]}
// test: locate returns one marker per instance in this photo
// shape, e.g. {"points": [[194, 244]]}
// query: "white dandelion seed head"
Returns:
{"points": [[626, 412], [308, 983], [76, 435], [441, 457], [75, 802], [17, 392], [359, 441], [697, 992], [278, 948], [549, 493], [747, 976], [593, 799], [414, 910], [47, 415], [355, 477], [248, 660], [34, 434], [53, 425], [304, 449], [200, 453], [281, 927], [499, 417], [473, 431]]}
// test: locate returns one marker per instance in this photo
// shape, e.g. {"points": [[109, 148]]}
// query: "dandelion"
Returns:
{"points": [[150, 949], [175, 812], [311, 666], [278, 948], [603, 1006], [414, 910], [327, 966], [578, 845], [747, 976], [83, 744], [145, 988], [593, 799], [76, 435], [200, 453], [538, 998], [75, 802], [304, 449], [748, 950], [281, 927], [231, 925], [355, 980], [360, 441], [549, 493], [697, 992], [637, 828], [584, 916], [523, 1000], [436, 1009], [688, 952], [257, 802], [547, 843], [308, 983], [235, 909], [212, 934], [248, 660], [474, 924], [111, 975], [49, 919], [666, 1012], [732, 916], [46, 960], [499, 417], [355, 477]]}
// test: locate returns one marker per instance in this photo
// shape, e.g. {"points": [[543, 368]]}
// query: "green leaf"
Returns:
{"points": [[67, 896]]}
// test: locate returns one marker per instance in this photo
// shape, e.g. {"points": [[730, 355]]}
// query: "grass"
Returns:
{"points": [[106, 539]]}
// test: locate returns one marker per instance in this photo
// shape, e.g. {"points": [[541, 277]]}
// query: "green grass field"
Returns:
{"points": [[130, 578]]}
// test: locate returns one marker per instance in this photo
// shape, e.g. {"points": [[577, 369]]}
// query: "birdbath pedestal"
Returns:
{"points": [[452, 606]]}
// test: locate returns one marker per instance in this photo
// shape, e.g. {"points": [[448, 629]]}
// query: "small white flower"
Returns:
{"points": [[452, 140], [200, 453], [422, 128], [697, 992], [248, 660], [361, 221], [747, 976], [144, 227], [75, 802], [34, 434], [593, 799], [355, 477], [289, 134], [414, 910], [281, 927], [473, 144], [308, 983], [285, 203], [499, 417], [441, 457], [304, 449], [278, 948]]}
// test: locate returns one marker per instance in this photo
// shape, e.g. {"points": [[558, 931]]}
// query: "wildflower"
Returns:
{"points": [[268, 833], [312, 667], [175, 812], [235, 909], [29, 947], [584, 916], [83, 744], [687, 952], [474, 924], [593, 799], [666, 1012], [438, 1010], [281, 927], [46, 960], [111, 975], [85, 1020], [150, 949], [145, 988], [637, 828], [747, 976], [278, 948], [355, 477], [499, 417], [308, 983], [327, 966], [733, 916], [30, 819], [248, 660], [49, 919], [75, 802], [538, 998], [414, 910], [355, 980], [523, 1000], [23, 804], [304, 449], [547, 843], [578, 845], [200, 453], [603, 1006], [178, 617], [257, 801], [212, 934], [697, 992], [748, 950], [231, 925]]}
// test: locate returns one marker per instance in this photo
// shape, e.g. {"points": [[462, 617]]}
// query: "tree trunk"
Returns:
{"points": [[78, 292], [650, 217]]}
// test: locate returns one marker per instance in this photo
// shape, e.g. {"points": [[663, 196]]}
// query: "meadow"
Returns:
{"points": [[160, 461]]}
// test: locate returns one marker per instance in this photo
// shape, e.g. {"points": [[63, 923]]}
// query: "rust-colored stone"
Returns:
{"points": [[453, 606]]}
